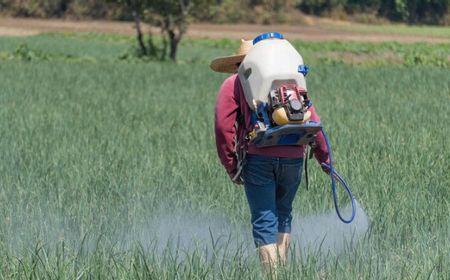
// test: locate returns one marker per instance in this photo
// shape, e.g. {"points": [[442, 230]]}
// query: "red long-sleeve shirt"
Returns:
{"points": [[230, 106]]}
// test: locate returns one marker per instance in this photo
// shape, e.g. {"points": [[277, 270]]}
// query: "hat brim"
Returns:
{"points": [[226, 64]]}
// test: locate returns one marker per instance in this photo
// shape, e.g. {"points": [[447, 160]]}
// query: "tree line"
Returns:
{"points": [[252, 11]]}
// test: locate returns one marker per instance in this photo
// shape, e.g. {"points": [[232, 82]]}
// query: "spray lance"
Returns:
{"points": [[282, 117]]}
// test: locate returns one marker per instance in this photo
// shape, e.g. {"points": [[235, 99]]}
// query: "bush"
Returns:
{"points": [[62, 8], [38, 8], [95, 9]]}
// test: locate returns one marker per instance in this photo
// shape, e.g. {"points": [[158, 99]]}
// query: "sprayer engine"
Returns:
{"points": [[284, 118], [288, 104]]}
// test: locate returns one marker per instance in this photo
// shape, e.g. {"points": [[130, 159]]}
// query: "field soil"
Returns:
{"points": [[312, 31]]}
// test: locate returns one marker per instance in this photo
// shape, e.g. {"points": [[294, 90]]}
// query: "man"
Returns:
{"points": [[270, 175]]}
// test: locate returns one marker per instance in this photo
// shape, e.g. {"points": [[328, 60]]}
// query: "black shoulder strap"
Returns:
{"points": [[308, 155], [306, 169]]}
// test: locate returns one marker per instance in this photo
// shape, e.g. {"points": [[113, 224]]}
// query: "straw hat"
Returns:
{"points": [[228, 64]]}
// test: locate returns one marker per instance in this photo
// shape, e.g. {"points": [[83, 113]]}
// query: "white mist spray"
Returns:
{"points": [[325, 233], [312, 234], [207, 234]]}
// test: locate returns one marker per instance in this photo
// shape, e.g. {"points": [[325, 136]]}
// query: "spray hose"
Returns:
{"points": [[334, 175]]}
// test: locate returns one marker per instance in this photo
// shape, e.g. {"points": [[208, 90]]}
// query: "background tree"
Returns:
{"points": [[136, 9], [172, 16]]}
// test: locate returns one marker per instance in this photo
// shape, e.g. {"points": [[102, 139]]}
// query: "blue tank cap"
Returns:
{"points": [[304, 69], [268, 35]]}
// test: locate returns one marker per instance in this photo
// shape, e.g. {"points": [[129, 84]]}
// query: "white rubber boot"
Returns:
{"points": [[269, 258], [283, 245]]}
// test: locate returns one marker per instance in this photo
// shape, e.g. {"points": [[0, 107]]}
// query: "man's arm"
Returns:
{"points": [[320, 146], [226, 113]]}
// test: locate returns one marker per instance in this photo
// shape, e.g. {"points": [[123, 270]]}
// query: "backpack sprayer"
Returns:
{"points": [[272, 75]]}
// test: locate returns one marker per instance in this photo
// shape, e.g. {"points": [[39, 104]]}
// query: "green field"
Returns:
{"points": [[98, 154], [424, 30]]}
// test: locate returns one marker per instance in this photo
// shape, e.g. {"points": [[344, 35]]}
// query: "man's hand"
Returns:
{"points": [[238, 181], [326, 168], [236, 177]]}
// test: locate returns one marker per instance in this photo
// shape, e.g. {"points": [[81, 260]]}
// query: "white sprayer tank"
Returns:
{"points": [[270, 63]]}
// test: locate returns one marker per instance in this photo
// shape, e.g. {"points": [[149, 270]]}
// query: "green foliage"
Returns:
{"points": [[227, 11], [400, 29], [316, 7], [249, 11], [357, 6], [23, 53], [95, 9], [156, 52]]}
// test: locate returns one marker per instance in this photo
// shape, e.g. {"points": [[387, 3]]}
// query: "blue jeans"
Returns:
{"points": [[270, 186]]}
